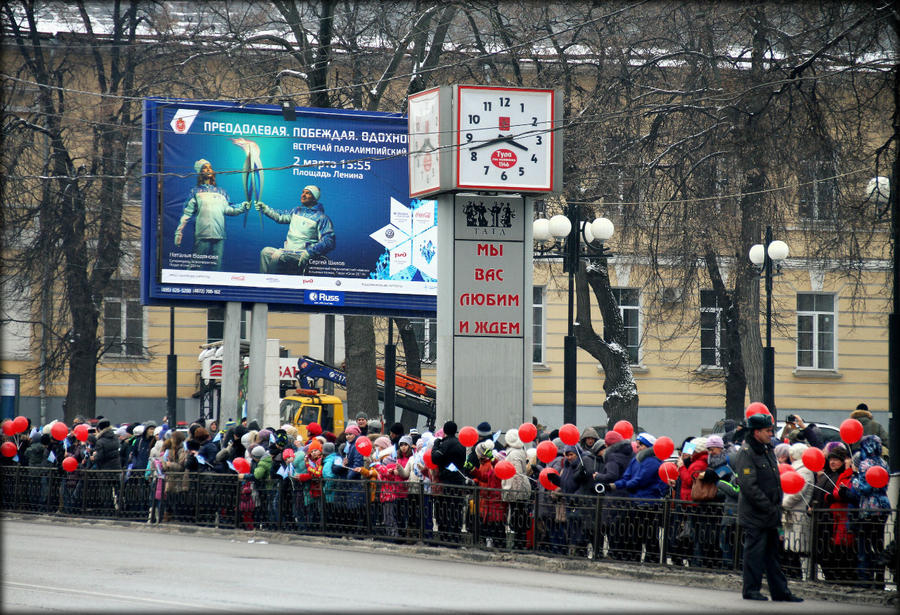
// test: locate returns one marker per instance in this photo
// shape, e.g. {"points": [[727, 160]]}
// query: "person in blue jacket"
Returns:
{"points": [[641, 482], [310, 235]]}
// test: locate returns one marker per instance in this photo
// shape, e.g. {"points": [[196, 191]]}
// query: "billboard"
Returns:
{"points": [[240, 204]]}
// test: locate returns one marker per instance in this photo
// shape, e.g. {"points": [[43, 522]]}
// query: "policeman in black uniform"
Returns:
{"points": [[759, 511]]}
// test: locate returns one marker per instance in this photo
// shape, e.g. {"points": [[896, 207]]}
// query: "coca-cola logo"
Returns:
{"points": [[503, 158]]}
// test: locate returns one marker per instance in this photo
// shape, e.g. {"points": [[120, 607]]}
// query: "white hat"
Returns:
{"points": [[199, 164], [314, 190], [138, 430]]}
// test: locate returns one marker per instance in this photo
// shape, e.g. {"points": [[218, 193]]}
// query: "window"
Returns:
{"points": [[123, 320], [215, 324], [537, 327], [818, 189], [629, 307], [815, 331], [426, 337], [711, 330]]}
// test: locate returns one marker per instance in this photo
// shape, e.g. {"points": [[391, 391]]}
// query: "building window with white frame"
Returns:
{"points": [[816, 331], [537, 327], [711, 330], [123, 320], [215, 324], [426, 337], [628, 300], [818, 190]]}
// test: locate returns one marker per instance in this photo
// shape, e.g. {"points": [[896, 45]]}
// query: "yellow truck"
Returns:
{"points": [[309, 406]]}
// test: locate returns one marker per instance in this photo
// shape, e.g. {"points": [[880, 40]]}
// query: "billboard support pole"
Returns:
{"points": [[327, 385], [259, 330], [231, 361], [171, 374]]}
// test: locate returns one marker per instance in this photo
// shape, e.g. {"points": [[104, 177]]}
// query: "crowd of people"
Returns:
{"points": [[600, 496]]}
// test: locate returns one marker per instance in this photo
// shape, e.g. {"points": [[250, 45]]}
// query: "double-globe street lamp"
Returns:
{"points": [[764, 257], [571, 239]]}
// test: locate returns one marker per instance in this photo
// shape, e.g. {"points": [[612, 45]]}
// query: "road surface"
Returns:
{"points": [[76, 567]]}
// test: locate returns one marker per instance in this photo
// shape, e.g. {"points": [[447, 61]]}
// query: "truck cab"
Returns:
{"points": [[309, 406]]}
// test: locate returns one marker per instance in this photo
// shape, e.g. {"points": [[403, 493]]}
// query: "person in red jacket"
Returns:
{"points": [[701, 543], [491, 507]]}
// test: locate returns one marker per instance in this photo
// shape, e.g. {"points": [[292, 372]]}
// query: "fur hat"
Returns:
{"points": [[512, 438], [796, 451], [861, 413], [714, 441], [612, 437], [760, 421], [102, 424], [398, 429], [484, 429], [450, 428]]}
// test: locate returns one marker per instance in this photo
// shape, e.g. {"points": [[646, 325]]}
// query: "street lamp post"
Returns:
{"points": [[764, 257], [572, 240]]}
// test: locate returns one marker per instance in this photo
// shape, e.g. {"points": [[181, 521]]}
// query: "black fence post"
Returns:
{"points": [[195, 487], [322, 521], [813, 544], [476, 518], [666, 521], [420, 496], [598, 537], [534, 521], [368, 501], [237, 509], [16, 495], [86, 474]]}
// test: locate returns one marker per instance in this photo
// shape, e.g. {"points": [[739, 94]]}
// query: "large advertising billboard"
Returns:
{"points": [[311, 214]]}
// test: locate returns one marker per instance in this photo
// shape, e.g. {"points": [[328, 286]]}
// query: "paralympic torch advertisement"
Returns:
{"points": [[310, 214]]}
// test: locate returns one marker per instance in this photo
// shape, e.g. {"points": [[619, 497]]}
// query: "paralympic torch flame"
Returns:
{"points": [[252, 173]]}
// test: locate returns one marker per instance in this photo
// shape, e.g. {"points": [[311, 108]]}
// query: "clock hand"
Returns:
{"points": [[499, 139], [515, 143]]}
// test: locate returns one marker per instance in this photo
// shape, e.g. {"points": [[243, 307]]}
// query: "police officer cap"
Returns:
{"points": [[759, 421]]}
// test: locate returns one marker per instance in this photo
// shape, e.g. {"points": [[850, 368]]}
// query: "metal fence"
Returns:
{"points": [[834, 546]]}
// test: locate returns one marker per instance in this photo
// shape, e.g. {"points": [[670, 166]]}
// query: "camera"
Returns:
{"points": [[792, 418]]}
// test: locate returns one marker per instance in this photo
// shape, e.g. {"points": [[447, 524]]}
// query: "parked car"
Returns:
{"points": [[829, 433]]}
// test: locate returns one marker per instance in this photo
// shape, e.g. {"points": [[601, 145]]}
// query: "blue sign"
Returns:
{"points": [[243, 205], [323, 297]]}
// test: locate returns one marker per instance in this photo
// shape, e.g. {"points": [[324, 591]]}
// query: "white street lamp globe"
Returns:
{"points": [[586, 231], [560, 226], [541, 229], [758, 254], [879, 190], [602, 228], [778, 250]]}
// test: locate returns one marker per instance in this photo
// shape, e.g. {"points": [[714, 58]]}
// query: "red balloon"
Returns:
{"points": [[69, 464], [504, 470], [20, 423], [546, 451], [8, 449], [241, 465], [468, 436], [568, 433], [668, 471], [791, 482], [756, 407], [8, 428], [287, 454], [851, 431], [81, 432], [784, 467], [549, 479], [429, 463], [59, 431], [527, 432], [364, 446], [663, 447], [814, 459], [877, 477], [626, 429]]}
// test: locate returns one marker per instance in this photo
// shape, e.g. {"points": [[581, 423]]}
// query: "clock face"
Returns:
{"points": [[424, 141], [504, 138]]}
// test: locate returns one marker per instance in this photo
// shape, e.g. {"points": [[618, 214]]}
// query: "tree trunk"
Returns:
{"points": [[618, 380], [362, 390], [410, 347]]}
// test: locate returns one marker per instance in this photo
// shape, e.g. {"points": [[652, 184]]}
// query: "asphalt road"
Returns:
{"points": [[75, 567]]}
